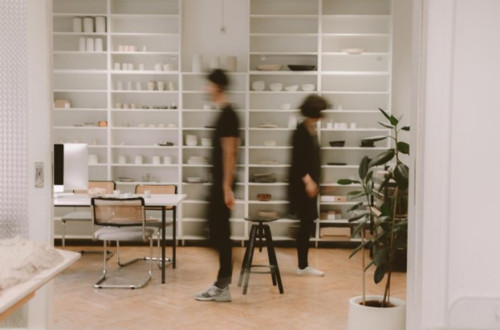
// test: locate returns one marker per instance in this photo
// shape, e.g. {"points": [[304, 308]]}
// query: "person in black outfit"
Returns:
{"points": [[221, 200], [304, 178]]}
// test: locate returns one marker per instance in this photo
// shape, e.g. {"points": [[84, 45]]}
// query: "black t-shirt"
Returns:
{"points": [[305, 160], [227, 125]]}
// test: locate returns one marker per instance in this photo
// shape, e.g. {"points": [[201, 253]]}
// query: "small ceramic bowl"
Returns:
{"points": [[276, 87], [263, 197], [308, 87], [258, 86], [292, 88]]}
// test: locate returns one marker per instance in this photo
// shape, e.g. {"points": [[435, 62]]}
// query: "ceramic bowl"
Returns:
{"points": [[286, 106], [258, 86], [308, 87], [269, 67], [276, 87], [263, 197], [292, 88]]}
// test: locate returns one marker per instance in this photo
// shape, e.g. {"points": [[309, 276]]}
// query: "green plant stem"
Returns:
{"points": [[387, 290]]}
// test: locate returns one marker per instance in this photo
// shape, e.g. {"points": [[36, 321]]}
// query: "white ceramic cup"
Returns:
{"points": [[138, 159], [147, 193], [352, 125], [171, 86], [100, 24], [167, 67], [117, 66], [98, 47], [160, 85], [89, 44], [130, 66], [138, 87], [197, 63], [167, 160], [122, 159], [191, 140], [207, 107], [158, 67], [88, 24], [151, 85], [124, 66], [116, 193], [156, 160], [93, 159], [81, 44]]}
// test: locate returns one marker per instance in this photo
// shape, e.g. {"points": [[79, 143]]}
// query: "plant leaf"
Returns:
{"points": [[381, 256], [371, 263], [355, 207], [382, 158], [401, 175], [358, 248], [403, 147], [359, 216], [385, 125], [363, 167], [393, 120], [355, 194], [375, 138], [345, 182], [406, 128], [358, 228], [368, 177], [379, 273]]}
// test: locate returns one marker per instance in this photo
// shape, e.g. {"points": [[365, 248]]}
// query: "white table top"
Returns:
{"points": [[16, 293], [153, 200]]}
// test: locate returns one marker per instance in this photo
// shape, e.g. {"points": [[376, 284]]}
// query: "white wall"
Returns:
{"points": [[202, 21], [402, 58], [454, 251], [39, 143]]}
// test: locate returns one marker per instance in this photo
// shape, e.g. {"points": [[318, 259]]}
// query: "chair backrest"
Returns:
{"points": [[165, 189], [98, 187], [118, 212]]}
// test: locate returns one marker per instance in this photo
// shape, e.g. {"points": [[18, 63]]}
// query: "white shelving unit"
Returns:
{"points": [[143, 43]]}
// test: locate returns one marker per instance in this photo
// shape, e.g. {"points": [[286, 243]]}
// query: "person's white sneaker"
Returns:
{"points": [[309, 271], [213, 293]]}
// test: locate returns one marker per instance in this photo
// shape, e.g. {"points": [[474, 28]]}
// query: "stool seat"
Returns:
{"points": [[261, 219], [258, 232]]}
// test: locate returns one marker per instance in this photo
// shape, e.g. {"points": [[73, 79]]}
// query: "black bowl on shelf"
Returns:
{"points": [[337, 143], [336, 164], [301, 67], [367, 144]]}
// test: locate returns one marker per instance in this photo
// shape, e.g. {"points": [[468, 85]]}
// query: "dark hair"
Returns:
{"points": [[312, 106], [219, 78]]}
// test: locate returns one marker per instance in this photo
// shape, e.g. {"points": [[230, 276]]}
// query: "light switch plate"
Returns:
{"points": [[39, 175]]}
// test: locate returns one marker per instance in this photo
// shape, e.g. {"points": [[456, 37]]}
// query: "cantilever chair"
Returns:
{"points": [[121, 220], [95, 187], [165, 189]]}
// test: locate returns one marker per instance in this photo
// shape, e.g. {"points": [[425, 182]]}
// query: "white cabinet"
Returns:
{"points": [[134, 102]]}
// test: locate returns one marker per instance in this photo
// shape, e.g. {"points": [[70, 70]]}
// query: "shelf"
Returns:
{"points": [[352, 111], [355, 93], [80, 91], [79, 34], [80, 127], [143, 147], [276, 129], [338, 203], [78, 14], [270, 148], [283, 16], [81, 109], [350, 130], [76, 52], [280, 92], [143, 53], [144, 128], [145, 72], [338, 167], [271, 202], [143, 34], [354, 148], [283, 34], [173, 111], [271, 166], [143, 165], [285, 73], [355, 73], [285, 53], [143, 92], [143, 16], [80, 71], [356, 34]]}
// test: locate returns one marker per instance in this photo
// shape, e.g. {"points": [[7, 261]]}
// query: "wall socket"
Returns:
{"points": [[39, 175]]}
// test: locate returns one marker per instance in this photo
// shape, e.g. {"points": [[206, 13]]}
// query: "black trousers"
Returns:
{"points": [[306, 214], [218, 219]]}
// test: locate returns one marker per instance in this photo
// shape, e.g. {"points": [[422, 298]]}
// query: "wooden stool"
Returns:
{"points": [[259, 231]]}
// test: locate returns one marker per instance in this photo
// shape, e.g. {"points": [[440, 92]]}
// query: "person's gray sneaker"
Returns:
{"points": [[213, 293]]}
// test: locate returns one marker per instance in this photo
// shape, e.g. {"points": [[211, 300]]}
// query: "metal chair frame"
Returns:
{"points": [[100, 282]]}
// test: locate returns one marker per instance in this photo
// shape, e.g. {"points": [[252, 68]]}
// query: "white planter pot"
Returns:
{"points": [[376, 318]]}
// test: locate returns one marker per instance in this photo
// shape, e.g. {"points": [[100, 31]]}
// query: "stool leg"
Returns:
{"points": [[272, 256], [248, 268], [244, 263], [260, 234]]}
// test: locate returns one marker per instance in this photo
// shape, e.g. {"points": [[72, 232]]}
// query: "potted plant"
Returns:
{"points": [[384, 179]]}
